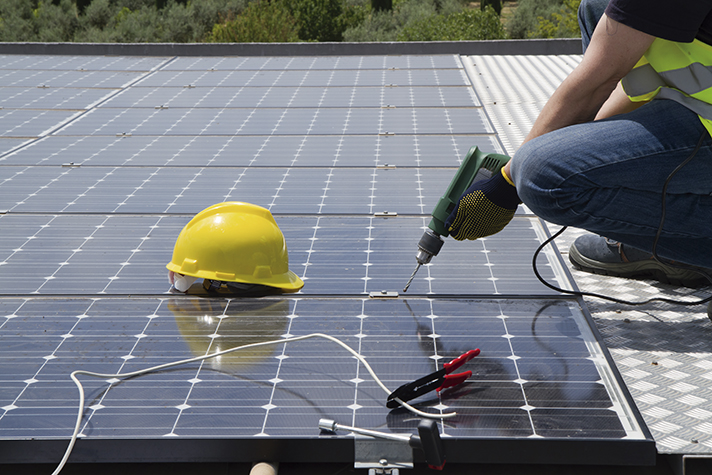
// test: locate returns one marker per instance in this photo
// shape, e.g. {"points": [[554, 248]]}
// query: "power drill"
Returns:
{"points": [[476, 166]]}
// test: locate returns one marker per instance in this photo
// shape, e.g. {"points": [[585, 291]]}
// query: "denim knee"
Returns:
{"points": [[539, 182]]}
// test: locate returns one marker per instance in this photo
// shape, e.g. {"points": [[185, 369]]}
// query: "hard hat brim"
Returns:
{"points": [[289, 281]]}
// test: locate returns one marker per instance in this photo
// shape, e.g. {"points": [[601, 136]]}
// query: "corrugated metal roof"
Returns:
{"points": [[513, 89]]}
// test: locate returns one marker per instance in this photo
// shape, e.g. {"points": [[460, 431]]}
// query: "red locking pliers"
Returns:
{"points": [[437, 380]]}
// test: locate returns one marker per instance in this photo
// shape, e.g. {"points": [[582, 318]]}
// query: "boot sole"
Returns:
{"points": [[648, 269]]}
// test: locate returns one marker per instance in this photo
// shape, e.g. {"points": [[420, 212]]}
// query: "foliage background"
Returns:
{"points": [[194, 21]]}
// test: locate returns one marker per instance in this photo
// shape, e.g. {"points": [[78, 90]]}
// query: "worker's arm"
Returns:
{"points": [[613, 52], [486, 207], [618, 103]]}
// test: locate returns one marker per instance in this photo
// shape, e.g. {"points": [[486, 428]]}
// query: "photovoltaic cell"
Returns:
{"points": [[319, 62], [344, 97], [6, 145], [268, 121], [16, 64], [122, 254], [51, 98], [240, 151], [28, 123], [103, 160], [66, 79]]}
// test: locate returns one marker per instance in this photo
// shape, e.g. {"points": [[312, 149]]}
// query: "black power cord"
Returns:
{"points": [[704, 135]]}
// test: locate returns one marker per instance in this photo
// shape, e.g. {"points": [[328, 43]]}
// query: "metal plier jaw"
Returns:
{"points": [[437, 381]]}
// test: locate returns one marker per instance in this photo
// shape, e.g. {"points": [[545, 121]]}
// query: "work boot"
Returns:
{"points": [[599, 255]]}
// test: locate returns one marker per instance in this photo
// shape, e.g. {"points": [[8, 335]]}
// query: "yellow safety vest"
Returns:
{"points": [[678, 71]]}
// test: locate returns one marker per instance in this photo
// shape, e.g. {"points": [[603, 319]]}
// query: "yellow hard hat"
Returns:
{"points": [[234, 242]]}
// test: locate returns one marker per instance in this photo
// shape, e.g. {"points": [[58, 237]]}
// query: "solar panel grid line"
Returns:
{"points": [[133, 252], [514, 357], [254, 110], [97, 404], [78, 115], [20, 80], [36, 191], [181, 408], [276, 380], [368, 252], [357, 378], [24, 91], [51, 356], [21, 120], [73, 252], [10, 145], [309, 251]]}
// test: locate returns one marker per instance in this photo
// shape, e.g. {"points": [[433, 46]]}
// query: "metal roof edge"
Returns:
{"points": [[489, 47]]}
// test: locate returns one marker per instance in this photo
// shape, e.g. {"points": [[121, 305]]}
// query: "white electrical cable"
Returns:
{"points": [[74, 374]]}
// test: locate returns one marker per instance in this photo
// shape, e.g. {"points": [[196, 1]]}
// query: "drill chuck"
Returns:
{"points": [[428, 246]]}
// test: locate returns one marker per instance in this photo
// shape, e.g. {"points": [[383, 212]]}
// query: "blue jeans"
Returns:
{"points": [[607, 177]]}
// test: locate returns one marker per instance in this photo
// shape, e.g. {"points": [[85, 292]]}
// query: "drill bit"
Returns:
{"points": [[411, 277]]}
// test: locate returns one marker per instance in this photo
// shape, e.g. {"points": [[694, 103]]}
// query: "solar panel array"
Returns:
{"points": [[103, 160]]}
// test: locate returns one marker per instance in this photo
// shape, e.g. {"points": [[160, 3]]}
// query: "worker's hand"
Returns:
{"points": [[484, 209]]}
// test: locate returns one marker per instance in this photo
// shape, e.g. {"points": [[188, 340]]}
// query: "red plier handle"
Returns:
{"points": [[437, 380], [451, 380], [460, 360]]}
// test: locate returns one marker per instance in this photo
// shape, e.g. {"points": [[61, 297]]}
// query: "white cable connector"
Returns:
{"points": [[360, 358]]}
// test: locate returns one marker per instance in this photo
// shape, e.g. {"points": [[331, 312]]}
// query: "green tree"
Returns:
{"points": [[140, 26], [562, 23], [381, 5], [378, 26], [317, 20], [385, 26], [98, 14], [16, 21], [261, 22], [112, 20], [82, 5], [178, 22], [466, 25], [495, 4], [525, 18], [54, 23]]}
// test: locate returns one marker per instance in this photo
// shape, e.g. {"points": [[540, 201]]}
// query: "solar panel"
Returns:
{"points": [[536, 377], [102, 168]]}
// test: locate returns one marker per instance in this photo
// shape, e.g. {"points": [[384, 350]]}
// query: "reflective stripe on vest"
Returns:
{"points": [[681, 72]]}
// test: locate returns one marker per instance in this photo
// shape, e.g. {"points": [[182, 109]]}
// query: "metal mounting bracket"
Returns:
{"points": [[381, 456], [690, 464], [383, 294]]}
